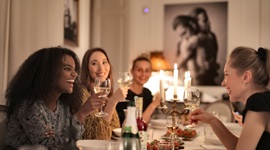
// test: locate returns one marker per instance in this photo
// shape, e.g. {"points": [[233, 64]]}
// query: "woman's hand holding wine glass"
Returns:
{"points": [[124, 80], [191, 98], [104, 87]]}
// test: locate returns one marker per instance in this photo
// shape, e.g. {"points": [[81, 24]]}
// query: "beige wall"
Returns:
{"points": [[248, 24], [35, 24], [39, 23]]}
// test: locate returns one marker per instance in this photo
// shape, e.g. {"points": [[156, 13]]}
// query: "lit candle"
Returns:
{"points": [[175, 81], [187, 81], [161, 85]]}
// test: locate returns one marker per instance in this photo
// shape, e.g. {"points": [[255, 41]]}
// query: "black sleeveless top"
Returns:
{"points": [[259, 102], [147, 99]]}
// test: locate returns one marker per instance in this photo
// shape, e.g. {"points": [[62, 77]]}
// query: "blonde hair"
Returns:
{"points": [[245, 58], [142, 57]]}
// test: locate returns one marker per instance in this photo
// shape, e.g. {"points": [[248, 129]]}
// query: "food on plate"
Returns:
{"points": [[166, 144], [186, 134]]}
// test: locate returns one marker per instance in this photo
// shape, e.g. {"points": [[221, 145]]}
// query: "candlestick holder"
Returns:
{"points": [[164, 109]]}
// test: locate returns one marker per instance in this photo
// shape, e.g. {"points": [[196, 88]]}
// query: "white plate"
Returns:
{"points": [[158, 122], [235, 128], [117, 131], [92, 144], [158, 127], [116, 138]]}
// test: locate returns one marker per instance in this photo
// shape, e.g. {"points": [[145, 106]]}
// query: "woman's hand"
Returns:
{"points": [[201, 115], [238, 118], [156, 100], [120, 94], [93, 102]]}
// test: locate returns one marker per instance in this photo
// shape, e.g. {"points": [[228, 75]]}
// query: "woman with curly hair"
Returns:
{"points": [[44, 98]]}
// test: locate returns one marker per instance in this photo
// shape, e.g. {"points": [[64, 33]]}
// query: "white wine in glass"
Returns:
{"points": [[192, 100], [172, 123], [124, 80], [103, 86]]}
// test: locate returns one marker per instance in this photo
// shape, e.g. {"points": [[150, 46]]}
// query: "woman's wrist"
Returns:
{"points": [[153, 106], [80, 117], [113, 100]]}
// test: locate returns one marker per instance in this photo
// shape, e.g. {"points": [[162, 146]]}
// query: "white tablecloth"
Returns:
{"points": [[156, 132], [197, 143]]}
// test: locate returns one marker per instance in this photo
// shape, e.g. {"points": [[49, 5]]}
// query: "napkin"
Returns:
{"points": [[215, 147]]}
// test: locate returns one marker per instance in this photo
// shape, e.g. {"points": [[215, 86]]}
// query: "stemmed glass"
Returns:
{"points": [[191, 98], [105, 87], [172, 123], [124, 80]]}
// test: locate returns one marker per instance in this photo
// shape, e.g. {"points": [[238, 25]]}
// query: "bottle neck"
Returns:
{"points": [[139, 114]]}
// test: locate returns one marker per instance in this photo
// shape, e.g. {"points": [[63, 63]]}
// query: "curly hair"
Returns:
{"points": [[37, 77], [86, 78]]}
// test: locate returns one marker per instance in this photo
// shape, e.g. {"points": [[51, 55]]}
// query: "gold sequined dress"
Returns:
{"points": [[96, 127]]}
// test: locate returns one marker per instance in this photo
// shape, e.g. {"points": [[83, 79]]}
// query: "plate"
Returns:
{"points": [[92, 144], [158, 122], [235, 128], [158, 127], [213, 140], [116, 138], [117, 132], [187, 132]]}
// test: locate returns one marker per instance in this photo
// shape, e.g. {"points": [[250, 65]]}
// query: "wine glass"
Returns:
{"points": [[124, 80], [105, 87], [172, 123], [191, 98]]}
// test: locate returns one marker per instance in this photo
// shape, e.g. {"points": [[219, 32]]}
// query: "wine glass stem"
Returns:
{"points": [[173, 136]]}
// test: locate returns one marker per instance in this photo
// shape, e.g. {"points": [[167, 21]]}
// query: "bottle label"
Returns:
{"points": [[143, 139]]}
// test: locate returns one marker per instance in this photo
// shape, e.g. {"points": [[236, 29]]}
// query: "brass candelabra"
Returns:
{"points": [[163, 107]]}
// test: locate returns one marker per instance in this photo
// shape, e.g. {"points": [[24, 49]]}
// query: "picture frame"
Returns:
{"points": [[217, 12], [71, 23]]}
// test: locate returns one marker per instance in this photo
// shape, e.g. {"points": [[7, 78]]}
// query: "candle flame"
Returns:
{"points": [[187, 74], [175, 66], [161, 73]]}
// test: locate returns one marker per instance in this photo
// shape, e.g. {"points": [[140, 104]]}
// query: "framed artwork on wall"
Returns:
{"points": [[71, 20], [195, 38]]}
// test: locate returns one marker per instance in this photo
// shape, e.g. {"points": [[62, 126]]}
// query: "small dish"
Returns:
{"points": [[117, 131]]}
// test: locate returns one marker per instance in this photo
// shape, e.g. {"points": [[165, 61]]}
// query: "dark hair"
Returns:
{"points": [[187, 22], [245, 58], [140, 58], [37, 77], [195, 13], [85, 75], [199, 10]]}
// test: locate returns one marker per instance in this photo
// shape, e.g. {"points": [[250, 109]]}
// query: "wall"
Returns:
{"points": [[248, 24], [39, 23], [35, 24]]}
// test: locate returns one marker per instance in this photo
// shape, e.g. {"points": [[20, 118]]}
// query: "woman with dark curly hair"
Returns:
{"points": [[44, 97]]}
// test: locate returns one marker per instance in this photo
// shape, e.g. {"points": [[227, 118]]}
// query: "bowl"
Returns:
{"points": [[117, 131]]}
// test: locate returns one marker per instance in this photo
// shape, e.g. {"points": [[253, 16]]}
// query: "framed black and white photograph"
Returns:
{"points": [[71, 20], [195, 38]]}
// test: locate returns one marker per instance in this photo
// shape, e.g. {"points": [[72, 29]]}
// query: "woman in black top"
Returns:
{"points": [[141, 71], [247, 74]]}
